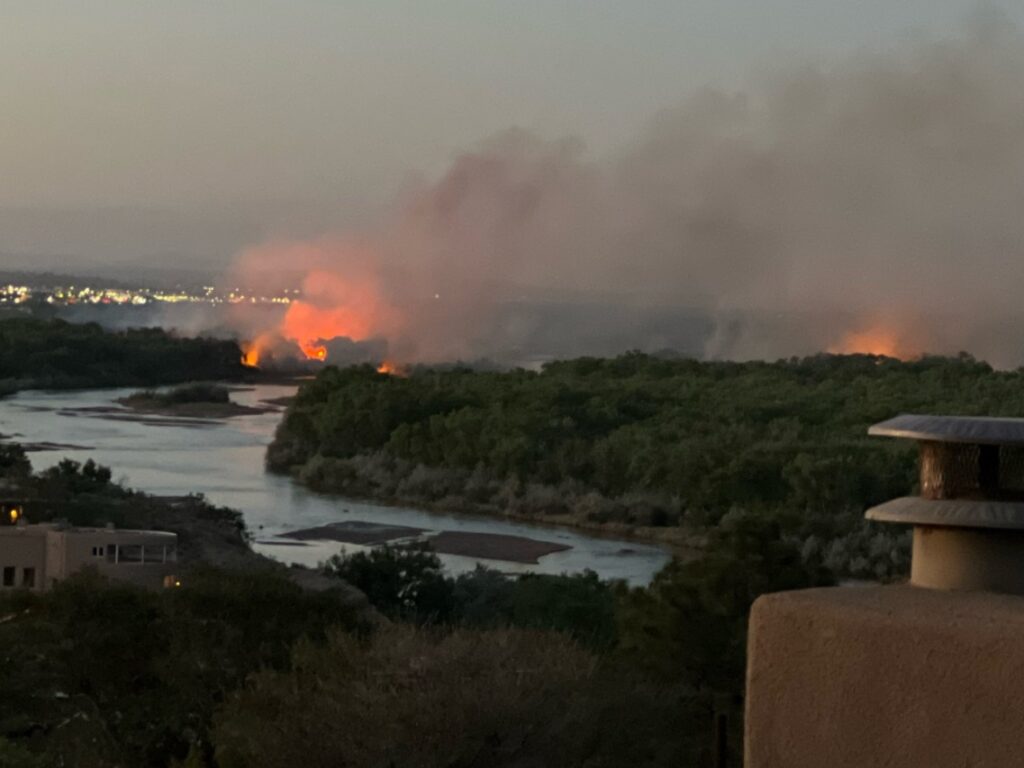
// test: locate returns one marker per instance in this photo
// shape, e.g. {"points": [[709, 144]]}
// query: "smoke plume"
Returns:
{"points": [[868, 204]]}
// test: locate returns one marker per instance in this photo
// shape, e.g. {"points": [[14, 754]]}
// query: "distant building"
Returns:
{"points": [[38, 556]]}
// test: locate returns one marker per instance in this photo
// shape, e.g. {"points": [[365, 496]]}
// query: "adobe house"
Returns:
{"points": [[38, 556], [922, 674]]}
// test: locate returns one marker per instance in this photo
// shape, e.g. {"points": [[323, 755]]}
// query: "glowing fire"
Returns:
{"points": [[877, 340], [339, 298], [314, 351], [387, 367], [332, 307], [253, 351]]}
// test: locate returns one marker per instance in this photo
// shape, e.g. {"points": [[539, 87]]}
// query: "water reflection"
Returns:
{"points": [[224, 461]]}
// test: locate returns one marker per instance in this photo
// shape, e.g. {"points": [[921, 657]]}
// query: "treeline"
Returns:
{"points": [[53, 354], [663, 448]]}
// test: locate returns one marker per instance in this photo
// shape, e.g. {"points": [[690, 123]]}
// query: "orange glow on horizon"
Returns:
{"points": [[339, 296], [880, 340], [333, 307]]}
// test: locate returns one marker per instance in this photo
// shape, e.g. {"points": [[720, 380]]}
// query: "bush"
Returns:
{"points": [[414, 699], [400, 581]]}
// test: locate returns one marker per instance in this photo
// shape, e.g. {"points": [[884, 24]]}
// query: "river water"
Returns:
{"points": [[224, 461]]}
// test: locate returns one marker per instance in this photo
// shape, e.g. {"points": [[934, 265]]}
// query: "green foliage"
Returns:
{"points": [[641, 441], [691, 621], [54, 354], [712, 434], [145, 670], [14, 463], [407, 582], [424, 700], [70, 478], [13, 756], [400, 581], [581, 606]]}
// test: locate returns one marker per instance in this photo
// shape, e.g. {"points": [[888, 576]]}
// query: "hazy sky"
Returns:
{"points": [[179, 131]]}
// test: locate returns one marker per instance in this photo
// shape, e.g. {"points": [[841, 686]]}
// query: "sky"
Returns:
{"points": [[176, 134]]}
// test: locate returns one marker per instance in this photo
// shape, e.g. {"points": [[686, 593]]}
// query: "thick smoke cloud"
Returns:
{"points": [[823, 206]]}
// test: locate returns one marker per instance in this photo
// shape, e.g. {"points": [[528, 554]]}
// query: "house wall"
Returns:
{"points": [[22, 548], [57, 553], [92, 547], [886, 676]]}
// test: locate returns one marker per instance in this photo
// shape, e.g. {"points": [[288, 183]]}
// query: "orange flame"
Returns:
{"points": [[253, 351], [314, 351], [331, 307], [877, 340]]}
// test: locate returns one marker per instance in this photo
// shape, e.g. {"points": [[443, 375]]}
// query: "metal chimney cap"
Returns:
{"points": [[950, 513], [977, 430], [969, 519]]}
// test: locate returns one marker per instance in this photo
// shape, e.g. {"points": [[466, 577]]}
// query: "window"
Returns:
{"points": [[153, 554], [97, 551], [129, 553], [9, 576], [28, 577], [111, 553]]}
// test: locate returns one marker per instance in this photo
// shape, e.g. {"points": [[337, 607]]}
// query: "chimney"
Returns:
{"points": [[925, 674], [969, 517]]}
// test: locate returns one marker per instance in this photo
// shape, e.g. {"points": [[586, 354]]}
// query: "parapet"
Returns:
{"points": [[885, 676]]}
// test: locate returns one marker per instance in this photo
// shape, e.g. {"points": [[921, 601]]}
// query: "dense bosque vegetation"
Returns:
{"points": [[763, 468], [53, 354], [659, 448]]}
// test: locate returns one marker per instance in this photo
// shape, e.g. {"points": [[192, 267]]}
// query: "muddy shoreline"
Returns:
{"points": [[200, 410], [486, 546], [679, 542]]}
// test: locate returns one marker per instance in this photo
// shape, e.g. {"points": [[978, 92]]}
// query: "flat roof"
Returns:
{"points": [[953, 513], [979, 430], [43, 527]]}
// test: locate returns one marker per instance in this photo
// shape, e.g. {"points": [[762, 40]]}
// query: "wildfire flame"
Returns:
{"points": [[253, 351], [314, 351], [389, 368], [333, 306], [881, 340], [340, 297]]}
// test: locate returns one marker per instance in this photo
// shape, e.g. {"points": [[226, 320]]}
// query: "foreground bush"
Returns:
{"points": [[418, 699]]}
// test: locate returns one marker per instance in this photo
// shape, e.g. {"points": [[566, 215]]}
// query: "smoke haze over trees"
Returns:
{"points": [[825, 203]]}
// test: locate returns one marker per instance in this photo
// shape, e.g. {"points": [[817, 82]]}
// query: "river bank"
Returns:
{"points": [[224, 461], [383, 480]]}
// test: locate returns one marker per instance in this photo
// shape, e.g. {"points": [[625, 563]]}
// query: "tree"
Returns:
{"points": [[400, 581], [14, 464], [692, 621]]}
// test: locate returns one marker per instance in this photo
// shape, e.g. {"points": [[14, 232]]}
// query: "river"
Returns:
{"points": [[224, 461]]}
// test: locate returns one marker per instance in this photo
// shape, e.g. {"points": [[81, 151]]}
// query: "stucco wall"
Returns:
{"points": [[23, 548], [55, 553], [885, 676]]}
